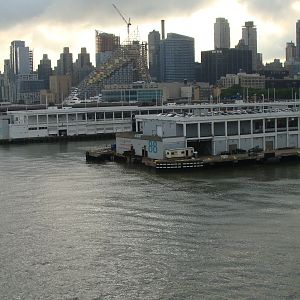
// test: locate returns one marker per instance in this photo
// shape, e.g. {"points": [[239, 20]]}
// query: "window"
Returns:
{"points": [[108, 115]]}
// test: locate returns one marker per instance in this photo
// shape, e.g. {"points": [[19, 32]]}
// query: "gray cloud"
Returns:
{"points": [[270, 9], [92, 11], [74, 15], [18, 11]]}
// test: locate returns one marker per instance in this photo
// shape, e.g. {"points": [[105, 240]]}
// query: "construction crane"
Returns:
{"points": [[124, 19]]}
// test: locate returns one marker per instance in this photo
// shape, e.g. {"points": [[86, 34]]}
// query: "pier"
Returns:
{"points": [[107, 154]]}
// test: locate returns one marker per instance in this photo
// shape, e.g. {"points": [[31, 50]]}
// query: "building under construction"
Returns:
{"points": [[127, 64], [106, 44]]}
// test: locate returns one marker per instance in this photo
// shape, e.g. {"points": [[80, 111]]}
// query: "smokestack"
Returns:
{"points": [[162, 29]]}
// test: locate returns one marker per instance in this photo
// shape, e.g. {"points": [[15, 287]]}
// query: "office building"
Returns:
{"points": [[45, 70], [60, 86], [290, 51], [275, 65], [2, 97], [23, 84], [177, 58], [6, 78], [292, 67], [249, 35], [154, 56], [217, 63], [221, 34], [65, 63], [28, 88], [82, 67], [298, 39], [142, 93], [21, 58]]}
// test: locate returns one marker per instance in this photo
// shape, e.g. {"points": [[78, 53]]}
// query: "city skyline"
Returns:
{"points": [[52, 25]]}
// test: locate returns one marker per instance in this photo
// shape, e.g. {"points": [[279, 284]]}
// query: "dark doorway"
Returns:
{"points": [[203, 147], [62, 132]]}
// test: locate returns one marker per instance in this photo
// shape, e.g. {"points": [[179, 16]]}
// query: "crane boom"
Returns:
{"points": [[124, 19]]}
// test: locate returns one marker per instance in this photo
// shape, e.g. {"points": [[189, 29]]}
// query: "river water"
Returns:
{"points": [[71, 230]]}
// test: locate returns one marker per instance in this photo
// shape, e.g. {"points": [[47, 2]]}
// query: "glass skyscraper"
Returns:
{"points": [[177, 58]]}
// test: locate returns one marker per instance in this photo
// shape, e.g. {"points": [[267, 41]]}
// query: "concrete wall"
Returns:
{"points": [[258, 142], [246, 144], [179, 130], [4, 129], [174, 143], [219, 146], [168, 128], [155, 149], [270, 143], [171, 90], [281, 140], [293, 140], [232, 142]]}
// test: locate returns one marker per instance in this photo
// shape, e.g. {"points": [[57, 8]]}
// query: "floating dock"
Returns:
{"points": [[108, 154]]}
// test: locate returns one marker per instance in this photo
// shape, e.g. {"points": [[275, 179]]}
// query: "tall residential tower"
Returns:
{"points": [[249, 35], [153, 48], [45, 70], [290, 51], [298, 39], [21, 61], [222, 34]]}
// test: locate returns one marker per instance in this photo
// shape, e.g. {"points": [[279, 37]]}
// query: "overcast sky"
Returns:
{"points": [[49, 25]]}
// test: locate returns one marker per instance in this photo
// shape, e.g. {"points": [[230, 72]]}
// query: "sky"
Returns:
{"points": [[49, 25]]}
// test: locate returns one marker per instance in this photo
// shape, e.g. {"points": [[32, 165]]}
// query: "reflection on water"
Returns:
{"points": [[70, 229]]}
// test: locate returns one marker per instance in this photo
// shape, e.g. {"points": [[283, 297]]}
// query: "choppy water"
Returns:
{"points": [[74, 230]]}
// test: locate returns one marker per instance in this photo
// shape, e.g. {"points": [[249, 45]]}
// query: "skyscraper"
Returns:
{"points": [[290, 51], [217, 63], [21, 58], [177, 58], [298, 39], [221, 34], [65, 63], [249, 35], [83, 58], [153, 48], [45, 70], [82, 66], [23, 84]]}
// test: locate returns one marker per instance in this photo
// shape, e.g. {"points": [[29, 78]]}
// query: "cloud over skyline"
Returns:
{"points": [[69, 11], [48, 25]]}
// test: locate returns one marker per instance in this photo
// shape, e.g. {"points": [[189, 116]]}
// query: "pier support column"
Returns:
{"points": [[226, 136], [288, 133], [239, 133]]}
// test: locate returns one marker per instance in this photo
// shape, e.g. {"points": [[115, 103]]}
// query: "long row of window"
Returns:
{"points": [[245, 128], [89, 116]]}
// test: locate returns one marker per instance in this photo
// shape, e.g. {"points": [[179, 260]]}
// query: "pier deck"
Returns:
{"points": [[107, 154]]}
